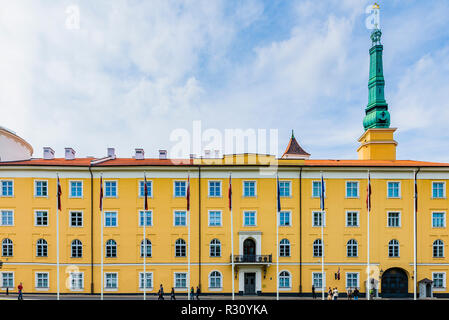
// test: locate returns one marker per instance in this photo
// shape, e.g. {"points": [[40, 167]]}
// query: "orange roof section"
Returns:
{"points": [[122, 162]]}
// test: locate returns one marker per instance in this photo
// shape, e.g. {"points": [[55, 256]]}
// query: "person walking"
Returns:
{"points": [[349, 294], [172, 294], [356, 294], [161, 293], [313, 292], [20, 288], [335, 293], [192, 294], [329, 294], [198, 291]]}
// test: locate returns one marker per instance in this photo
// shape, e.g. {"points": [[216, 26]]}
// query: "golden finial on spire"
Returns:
{"points": [[376, 6]]}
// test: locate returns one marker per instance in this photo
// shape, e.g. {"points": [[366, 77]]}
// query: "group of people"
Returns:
{"points": [[332, 294], [172, 293]]}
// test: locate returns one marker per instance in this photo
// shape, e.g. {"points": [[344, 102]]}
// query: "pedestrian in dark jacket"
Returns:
{"points": [[313, 292], [192, 294], [172, 294], [161, 293], [198, 291]]}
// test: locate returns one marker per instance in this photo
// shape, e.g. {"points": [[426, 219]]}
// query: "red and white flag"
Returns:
{"points": [[59, 193], [188, 193]]}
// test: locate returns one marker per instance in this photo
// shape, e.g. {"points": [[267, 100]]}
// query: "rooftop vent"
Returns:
{"points": [[207, 153], [162, 154], [49, 153], [140, 154], [111, 152], [69, 154]]}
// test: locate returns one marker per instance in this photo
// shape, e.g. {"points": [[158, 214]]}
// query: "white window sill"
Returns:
{"points": [[285, 289], [180, 289], [77, 290], [42, 289], [146, 289], [110, 289], [215, 289]]}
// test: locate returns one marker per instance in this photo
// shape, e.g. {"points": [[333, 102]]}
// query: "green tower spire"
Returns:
{"points": [[377, 115]]}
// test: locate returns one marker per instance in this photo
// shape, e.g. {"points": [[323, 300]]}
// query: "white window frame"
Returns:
{"points": [[151, 189], [36, 281], [444, 281], [208, 218], [1, 217], [116, 218], [208, 189], [82, 281], [399, 189], [346, 189], [105, 282], [289, 219], [70, 189], [1, 188], [358, 218], [174, 188], [220, 288], [290, 280], [323, 281], [144, 218], [174, 281], [141, 277], [255, 218], [358, 280], [116, 189], [323, 213], [444, 189], [400, 219], [186, 218], [289, 188], [444, 219], [35, 217], [318, 197], [255, 188], [35, 188], [82, 218], [13, 280]]}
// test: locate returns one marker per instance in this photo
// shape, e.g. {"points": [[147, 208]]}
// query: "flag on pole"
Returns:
{"points": [[230, 192], [101, 193], [59, 193], [322, 193], [188, 193], [368, 194], [278, 194], [145, 190]]}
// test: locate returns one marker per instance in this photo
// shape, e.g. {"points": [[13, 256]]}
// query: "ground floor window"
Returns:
{"points": [[180, 280], [352, 280], [7, 279], [284, 279], [41, 280], [147, 280], [111, 280], [215, 279], [76, 281], [439, 280], [318, 281]]}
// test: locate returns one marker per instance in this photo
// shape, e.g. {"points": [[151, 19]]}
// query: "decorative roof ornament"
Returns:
{"points": [[294, 150]]}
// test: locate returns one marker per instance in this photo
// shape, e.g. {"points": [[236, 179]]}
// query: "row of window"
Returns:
{"points": [[41, 218], [214, 246], [438, 219], [215, 189], [76, 280], [393, 248]]}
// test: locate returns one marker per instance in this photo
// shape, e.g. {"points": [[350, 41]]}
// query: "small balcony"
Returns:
{"points": [[252, 259]]}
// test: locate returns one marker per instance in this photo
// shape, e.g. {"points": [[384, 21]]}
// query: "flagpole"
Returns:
{"points": [[101, 239], [188, 238], [368, 285], [57, 236], [277, 237], [232, 236], [323, 212], [414, 235], [144, 238]]}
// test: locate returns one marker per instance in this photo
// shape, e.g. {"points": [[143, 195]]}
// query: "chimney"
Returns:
{"points": [[140, 154], [217, 153], [69, 154], [162, 154], [49, 153], [207, 153], [192, 156], [111, 153]]}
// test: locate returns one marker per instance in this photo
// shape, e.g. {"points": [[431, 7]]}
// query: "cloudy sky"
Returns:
{"points": [[136, 71]]}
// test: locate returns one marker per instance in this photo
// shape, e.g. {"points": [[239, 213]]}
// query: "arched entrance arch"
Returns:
{"points": [[394, 283], [249, 250]]}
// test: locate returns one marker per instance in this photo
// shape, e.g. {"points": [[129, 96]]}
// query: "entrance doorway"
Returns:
{"points": [[249, 250], [394, 283], [250, 283]]}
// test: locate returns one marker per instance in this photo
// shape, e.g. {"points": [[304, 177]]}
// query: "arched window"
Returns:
{"points": [[215, 248], [438, 249], [77, 249], [393, 248], [215, 279], [317, 248], [7, 248], [284, 248], [352, 248], [284, 279], [180, 248], [41, 248], [111, 249], [148, 248]]}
